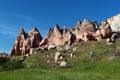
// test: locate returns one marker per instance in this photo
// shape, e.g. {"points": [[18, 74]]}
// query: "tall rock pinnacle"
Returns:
{"points": [[78, 24], [25, 42]]}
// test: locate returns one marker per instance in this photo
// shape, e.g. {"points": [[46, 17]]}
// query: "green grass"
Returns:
{"points": [[83, 67], [108, 70]]}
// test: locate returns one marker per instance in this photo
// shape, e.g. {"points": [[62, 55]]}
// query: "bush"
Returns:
{"points": [[11, 65]]}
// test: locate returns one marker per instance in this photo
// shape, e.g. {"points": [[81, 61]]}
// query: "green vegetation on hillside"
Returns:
{"points": [[100, 65], [100, 52]]}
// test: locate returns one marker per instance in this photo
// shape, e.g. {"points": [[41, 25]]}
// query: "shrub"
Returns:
{"points": [[11, 65]]}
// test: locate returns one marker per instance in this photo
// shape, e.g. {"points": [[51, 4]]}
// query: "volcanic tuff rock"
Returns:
{"points": [[115, 22], [82, 31], [55, 37], [26, 41]]}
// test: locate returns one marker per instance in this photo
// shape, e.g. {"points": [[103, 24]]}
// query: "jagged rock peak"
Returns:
{"points": [[64, 30], [22, 31], [78, 24], [22, 34], [56, 27], [87, 26], [85, 20], [50, 31], [57, 30], [64, 27], [35, 29]]}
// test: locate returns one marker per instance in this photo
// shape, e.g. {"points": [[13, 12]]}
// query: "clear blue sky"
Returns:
{"points": [[15, 14]]}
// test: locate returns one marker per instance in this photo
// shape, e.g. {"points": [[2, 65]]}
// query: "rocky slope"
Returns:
{"points": [[28, 43]]}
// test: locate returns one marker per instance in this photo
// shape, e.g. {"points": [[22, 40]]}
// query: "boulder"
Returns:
{"points": [[59, 48], [74, 49], [108, 41], [57, 56], [91, 54], [111, 57], [67, 47], [114, 36], [51, 47], [63, 64], [118, 49], [31, 51], [73, 55]]}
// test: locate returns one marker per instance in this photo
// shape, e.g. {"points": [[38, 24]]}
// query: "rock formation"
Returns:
{"points": [[18, 45], [78, 25], [82, 31], [63, 64], [55, 36], [57, 56], [115, 22], [25, 41], [59, 36]]}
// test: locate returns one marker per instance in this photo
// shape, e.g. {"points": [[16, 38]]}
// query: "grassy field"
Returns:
{"points": [[83, 67], [83, 71]]}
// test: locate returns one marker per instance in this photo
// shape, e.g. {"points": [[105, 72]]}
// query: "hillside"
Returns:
{"points": [[87, 51], [91, 51], [94, 60]]}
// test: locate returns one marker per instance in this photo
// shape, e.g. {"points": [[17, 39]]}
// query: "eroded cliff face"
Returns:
{"points": [[55, 37], [115, 22], [83, 31], [26, 41]]}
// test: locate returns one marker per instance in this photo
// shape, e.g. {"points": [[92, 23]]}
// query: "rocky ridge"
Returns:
{"points": [[29, 43]]}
